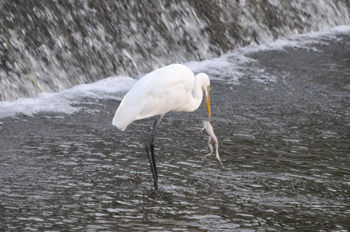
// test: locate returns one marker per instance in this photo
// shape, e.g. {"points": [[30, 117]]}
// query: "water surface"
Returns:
{"points": [[283, 129]]}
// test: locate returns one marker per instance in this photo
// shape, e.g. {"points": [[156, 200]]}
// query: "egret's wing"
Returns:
{"points": [[157, 93], [164, 90]]}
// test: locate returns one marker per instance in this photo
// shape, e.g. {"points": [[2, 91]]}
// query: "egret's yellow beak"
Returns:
{"points": [[208, 101]]}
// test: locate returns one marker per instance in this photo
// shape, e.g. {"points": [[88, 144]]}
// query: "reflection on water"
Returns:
{"points": [[78, 173]]}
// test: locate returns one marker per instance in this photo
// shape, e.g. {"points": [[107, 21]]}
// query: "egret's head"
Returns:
{"points": [[206, 86]]}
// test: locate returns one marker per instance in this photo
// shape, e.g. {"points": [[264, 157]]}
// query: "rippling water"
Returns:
{"points": [[284, 142]]}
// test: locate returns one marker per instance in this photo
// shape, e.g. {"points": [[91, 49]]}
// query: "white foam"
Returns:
{"points": [[302, 41], [229, 68], [218, 68], [105, 88], [62, 102], [235, 65]]}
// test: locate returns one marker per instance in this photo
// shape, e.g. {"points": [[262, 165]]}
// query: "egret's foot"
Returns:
{"points": [[153, 190], [160, 189]]}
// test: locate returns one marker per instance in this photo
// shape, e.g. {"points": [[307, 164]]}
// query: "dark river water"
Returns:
{"points": [[284, 142]]}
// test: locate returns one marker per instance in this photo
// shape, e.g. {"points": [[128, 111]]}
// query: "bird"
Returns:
{"points": [[170, 88]]}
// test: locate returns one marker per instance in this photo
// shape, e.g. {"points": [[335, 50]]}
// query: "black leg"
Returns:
{"points": [[150, 148], [153, 158]]}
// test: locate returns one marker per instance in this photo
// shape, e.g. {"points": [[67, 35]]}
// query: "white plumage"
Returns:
{"points": [[171, 88]]}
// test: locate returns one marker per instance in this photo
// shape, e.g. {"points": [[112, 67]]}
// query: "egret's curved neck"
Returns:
{"points": [[197, 93]]}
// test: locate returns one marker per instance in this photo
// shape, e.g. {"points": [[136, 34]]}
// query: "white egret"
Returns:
{"points": [[170, 88]]}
